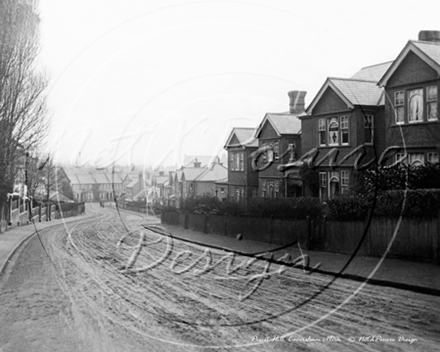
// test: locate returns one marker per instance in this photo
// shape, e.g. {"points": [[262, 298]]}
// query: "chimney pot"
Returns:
{"points": [[297, 104], [429, 36]]}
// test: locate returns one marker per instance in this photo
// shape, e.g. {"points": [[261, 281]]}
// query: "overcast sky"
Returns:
{"points": [[146, 82]]}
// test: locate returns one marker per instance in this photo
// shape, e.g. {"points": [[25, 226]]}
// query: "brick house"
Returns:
{"points": [[242, 178], [411, 106], [280, 135], [344, 119]]}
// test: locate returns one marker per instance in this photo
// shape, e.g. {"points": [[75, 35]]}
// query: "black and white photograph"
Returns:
{"points": [[219, 175]]}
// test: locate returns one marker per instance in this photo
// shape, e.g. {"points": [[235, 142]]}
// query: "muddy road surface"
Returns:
{"points": [[113, 285]]}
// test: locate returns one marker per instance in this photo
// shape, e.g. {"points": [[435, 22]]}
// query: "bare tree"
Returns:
{"points": [[23, 114]]}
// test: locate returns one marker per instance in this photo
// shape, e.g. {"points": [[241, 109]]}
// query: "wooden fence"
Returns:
{"points": [[407, 238], [256, 229]]}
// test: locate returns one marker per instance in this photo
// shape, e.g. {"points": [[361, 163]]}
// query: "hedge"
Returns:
{"points": [[277, 208], [423, 203]]}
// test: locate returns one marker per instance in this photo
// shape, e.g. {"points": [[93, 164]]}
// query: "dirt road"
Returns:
{"points": [[97, 287]]}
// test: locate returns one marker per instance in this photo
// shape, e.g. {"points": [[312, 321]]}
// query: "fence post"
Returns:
{"points": [[225, 217], [206, 224], [186, 221], [437, 252], [271, 229], [309, 232], [324, 233], [39, 213]]}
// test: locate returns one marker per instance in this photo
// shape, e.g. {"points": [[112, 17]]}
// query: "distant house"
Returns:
{"points": [[242, 178], [58, 197], [188, 176], [195, 180], [221, 189], [160, 187], [82, 187], [95, 186], [411, 86], [280, 134], [205, 183]]}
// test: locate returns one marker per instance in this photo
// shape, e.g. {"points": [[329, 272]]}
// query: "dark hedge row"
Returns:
{"points": [[400, 177], [423, 203], [277, 208]]}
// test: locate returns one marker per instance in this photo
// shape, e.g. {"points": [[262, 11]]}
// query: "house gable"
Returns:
{"points": [[268, 131], [330, 101], [412, 69], [234, 142]]}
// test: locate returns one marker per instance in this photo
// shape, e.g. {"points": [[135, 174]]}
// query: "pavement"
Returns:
{"points": [[417, 277], [11, 240], [407, 275]]}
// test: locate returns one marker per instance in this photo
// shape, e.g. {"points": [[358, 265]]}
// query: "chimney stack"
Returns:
{"points": [[429, 36], [297, 104], [197, 163], [141, 181]]}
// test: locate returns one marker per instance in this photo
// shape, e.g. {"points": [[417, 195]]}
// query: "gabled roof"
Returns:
{"points": [[427, 51], [351, 91], [114, 177], [132, 183], [245, 137], [101, 178], [214, 173], [222, 181], [161, 180], [204, 160], [143, 193], [373, 72], [73, 179], [191, 173], [85, 179], [283, 123]]}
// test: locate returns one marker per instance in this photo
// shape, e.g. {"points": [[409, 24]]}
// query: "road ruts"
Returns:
{"points": [[105, 308]]}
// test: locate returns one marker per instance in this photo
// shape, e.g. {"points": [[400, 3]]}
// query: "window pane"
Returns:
{"points": [[322, 138], [368, 130], [344, 136], [431, 93], [415, 105], [398, 98], [333, 128]]}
